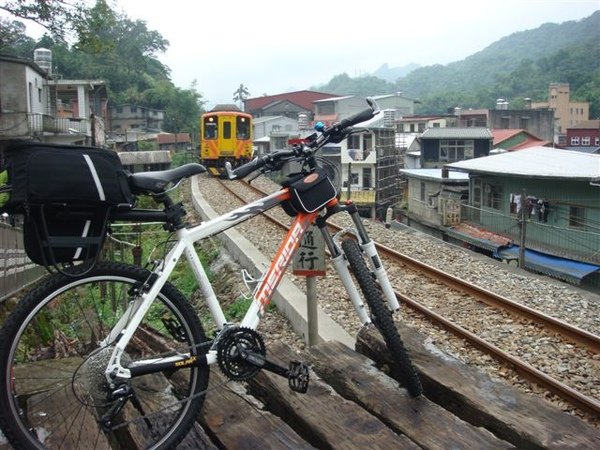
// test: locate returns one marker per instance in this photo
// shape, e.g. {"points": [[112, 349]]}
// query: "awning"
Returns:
{"points": [[554, 266], [478, 237]]}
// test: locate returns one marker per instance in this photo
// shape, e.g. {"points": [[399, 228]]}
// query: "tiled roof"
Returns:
{"points": [[304, 99], [502, 135], [531, 140], [457, 133]]}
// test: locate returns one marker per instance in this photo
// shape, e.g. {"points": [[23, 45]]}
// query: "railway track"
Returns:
{"points": [[456, 304]]}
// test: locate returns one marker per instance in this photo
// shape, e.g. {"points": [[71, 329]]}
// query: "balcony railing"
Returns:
{"points": [[31, 124]]}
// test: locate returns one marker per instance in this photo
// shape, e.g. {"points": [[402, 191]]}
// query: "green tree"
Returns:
{"points": [[13, 39], [54, 15]]}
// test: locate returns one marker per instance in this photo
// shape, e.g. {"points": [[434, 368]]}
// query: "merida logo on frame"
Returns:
{"points": [[278, 266]]}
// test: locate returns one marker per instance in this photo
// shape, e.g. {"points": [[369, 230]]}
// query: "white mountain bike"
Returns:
{"points": [[115, 356]]}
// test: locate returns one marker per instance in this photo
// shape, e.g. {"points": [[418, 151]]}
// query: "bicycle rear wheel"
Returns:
{"points": [[52, 385], [382, 318]]}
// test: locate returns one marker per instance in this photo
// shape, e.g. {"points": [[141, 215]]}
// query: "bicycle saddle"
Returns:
{"points": [[156, 182]]}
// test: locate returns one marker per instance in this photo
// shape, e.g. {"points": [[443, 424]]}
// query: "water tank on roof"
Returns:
{"points": [[389, 118], [302, 121], [43, 58]]}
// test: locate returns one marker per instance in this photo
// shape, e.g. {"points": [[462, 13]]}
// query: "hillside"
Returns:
{"points": [[516, 66], [502, 57]]}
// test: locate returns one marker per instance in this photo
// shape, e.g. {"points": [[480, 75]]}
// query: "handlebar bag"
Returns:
{"points": [[309, 193]]}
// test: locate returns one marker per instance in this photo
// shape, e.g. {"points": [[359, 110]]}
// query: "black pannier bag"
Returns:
{"points": [[66, 194], [54, 234], [309, 192]]}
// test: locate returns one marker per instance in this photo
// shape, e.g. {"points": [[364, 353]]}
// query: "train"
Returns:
{"points": [[225, 136]]}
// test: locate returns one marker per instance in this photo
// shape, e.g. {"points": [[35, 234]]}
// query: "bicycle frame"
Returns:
{"points": [[121, 334]]}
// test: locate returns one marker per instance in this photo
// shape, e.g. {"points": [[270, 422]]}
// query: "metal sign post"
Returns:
{"points": [[309, 261]]}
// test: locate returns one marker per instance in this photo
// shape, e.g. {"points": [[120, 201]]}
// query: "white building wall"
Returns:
{"points": [[35, 91]]}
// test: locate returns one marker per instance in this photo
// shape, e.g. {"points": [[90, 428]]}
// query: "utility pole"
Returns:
{"points": [[349, 179], [523, 226], [93, 128]]}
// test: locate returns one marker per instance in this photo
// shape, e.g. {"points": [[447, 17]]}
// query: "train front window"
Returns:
{"points": [[226, 130], [210, 127], [242, 128]]}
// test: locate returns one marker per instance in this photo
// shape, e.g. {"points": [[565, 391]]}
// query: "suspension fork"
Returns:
{"points": [[341, 267], [367, 246]]}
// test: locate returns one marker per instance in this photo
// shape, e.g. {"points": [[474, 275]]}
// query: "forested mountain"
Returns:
{"points": [[517, 66], [123, 51]]}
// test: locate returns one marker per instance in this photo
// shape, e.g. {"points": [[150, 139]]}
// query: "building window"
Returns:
{"points": [[585, 140], [492, 196], [366, 177], [119, 109], [368, 143], [524, 123], [354, 141], [597, 140], [505, 123], [421, 127], [455, 150], [422, 191], [325, 108], [133, 109], [279, 142], [576, 217], [575, 140]]}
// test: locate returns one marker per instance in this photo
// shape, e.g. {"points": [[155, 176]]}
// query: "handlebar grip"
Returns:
{"points": [[258, 163], [246, 169], [361, 116]]}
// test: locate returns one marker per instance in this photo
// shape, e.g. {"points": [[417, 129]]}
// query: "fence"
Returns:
{"points": [[16, 270]]}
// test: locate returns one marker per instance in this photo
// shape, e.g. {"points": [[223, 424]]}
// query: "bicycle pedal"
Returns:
{"points": [[298, 376]]}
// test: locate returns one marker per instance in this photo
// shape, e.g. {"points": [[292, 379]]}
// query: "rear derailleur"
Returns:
{"points": [[241, 354]]}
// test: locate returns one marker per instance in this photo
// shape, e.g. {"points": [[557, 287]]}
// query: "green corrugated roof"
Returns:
{"points": [[457, 133]]}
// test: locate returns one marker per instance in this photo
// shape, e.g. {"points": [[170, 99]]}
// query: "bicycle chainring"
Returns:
{"points": [[232, 345]]}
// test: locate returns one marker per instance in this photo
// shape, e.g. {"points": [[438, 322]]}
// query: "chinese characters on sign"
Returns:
{"points": [[309, 260]]}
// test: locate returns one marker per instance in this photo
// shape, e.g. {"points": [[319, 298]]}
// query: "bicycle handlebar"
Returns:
{"points": [[361, 116], [333, 133], [258, 163]]}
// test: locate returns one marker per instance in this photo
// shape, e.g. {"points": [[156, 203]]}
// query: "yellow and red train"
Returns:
{"points": [[225, 135]]}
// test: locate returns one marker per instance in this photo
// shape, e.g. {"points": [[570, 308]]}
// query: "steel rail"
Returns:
{"points": [[529, 372], [572, 333]]}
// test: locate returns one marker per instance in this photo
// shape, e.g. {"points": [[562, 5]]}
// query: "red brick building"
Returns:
{"points": [[585, 134]]}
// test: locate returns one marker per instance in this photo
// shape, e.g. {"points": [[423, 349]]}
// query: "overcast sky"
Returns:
{"points": [[277, 46]]}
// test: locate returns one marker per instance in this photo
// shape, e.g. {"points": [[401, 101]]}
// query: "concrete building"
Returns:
{"points": [[36, 106], [129, 117]]}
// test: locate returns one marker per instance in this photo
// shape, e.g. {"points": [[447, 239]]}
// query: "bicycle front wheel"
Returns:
{"points": [[53, 390], [382, 318]]}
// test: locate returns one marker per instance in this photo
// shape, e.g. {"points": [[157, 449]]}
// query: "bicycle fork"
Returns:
{"points": [[341, 266]]}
